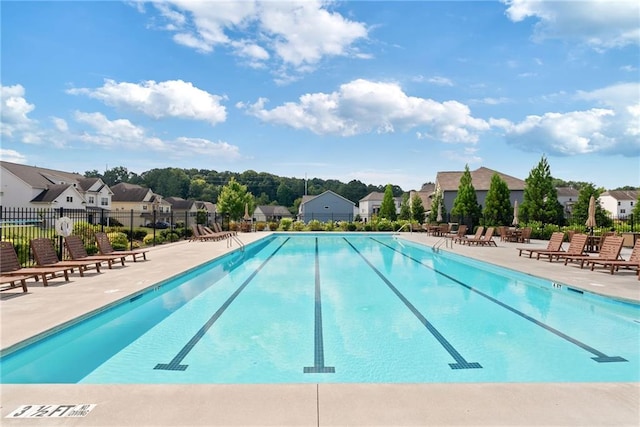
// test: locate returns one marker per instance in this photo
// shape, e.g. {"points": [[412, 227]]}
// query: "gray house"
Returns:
{"points": [[324, 207], [271, 213]]}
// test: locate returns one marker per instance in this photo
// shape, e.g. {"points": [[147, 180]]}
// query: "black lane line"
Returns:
{"points": [[600, 356], [318, 351], [461, 363], [175, 365]]}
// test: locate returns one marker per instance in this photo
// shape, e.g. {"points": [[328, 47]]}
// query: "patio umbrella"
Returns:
{"points": [[591, 219], [515, 214], [439, 218], [246, 212]]}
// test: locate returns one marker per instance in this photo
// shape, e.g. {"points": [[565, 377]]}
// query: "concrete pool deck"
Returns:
{"points": [[26, 315]]}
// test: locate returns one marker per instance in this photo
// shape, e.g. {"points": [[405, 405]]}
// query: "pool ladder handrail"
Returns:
{"points": [[437, 245], [234, 237], [403, 226]]}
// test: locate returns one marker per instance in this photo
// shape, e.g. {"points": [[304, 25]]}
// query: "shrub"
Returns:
{"points": [[315, 225], [297, 226], [91, 249], [261, 226], [285, 224], [273, 225], [150, 240], [384, 224], [351, 226], [329, 226], [169, 236]]}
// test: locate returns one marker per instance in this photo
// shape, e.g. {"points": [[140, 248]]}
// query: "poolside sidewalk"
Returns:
{"points": [[26, 315]]}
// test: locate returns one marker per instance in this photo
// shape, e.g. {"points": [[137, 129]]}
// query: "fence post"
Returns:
{"points": [[131, 230], [60, 237]]}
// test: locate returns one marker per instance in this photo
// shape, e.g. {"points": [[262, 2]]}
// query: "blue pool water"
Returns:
{"points": [[298, 308]]}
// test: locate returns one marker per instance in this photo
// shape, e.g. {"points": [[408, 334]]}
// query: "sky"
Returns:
{"points": [[376, 91]]}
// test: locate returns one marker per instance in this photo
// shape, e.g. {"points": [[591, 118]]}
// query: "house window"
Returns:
{"points": [[92, 200], [69, 199], [622, 211], [144, 207], [619, 203], [104, 201]]}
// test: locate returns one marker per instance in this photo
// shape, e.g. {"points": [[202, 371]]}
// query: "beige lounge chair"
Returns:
{"points": [[105, 248], [554, 245], [78, 252], [615, 265], [10, 266], [464, 239], [576, 247], [487, 238], [200, 234], [610, 249], [46, 256]]}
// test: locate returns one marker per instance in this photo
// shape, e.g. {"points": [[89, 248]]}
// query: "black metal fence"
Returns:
{"points": [[20, 225]]}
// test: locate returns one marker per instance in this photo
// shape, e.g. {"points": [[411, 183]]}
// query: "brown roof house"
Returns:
{"points": [[448, 183], [271, 213], [138, 206]]}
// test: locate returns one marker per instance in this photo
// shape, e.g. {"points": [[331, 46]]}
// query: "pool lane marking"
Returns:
{"points": [[600, 356], [461, 363], [318, 350], [175, 365]]}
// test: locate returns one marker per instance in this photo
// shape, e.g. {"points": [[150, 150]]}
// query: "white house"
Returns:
{"points": [[271, 213], [324, 207], [23, 186], [370, 204], [567, 196], [619, 203]]}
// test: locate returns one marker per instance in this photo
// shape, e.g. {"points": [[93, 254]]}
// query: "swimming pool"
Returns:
{"points": [[296, 308]]}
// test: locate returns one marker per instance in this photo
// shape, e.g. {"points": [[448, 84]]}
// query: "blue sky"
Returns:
{"points": [[379, 91]]}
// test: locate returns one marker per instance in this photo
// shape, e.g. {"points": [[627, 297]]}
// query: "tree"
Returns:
{"points": [[497, 204], [541, 197], [465, 205], [388, 206], [233, 198], [636, 209], [580, 210], [405, 209], [417, 209]]}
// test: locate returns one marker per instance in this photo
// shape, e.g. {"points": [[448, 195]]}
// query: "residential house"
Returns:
{"points": [[25, 186], [211, 210], [619, 203], [137, 206], [567, 196], [268, 213], [448, 183], [182, 211], [370, 204], [324, 207]]}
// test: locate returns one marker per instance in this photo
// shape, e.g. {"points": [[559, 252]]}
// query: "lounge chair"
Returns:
{"points": [[576, 247], [525, 236], [199, 233], [10, 266], [614, 265], [12, 280], [46, 256], [464, 239], [105, 248], [77, 251], [609, 251], [218, 229], [221, 234], [554, 245], [487, 238], [458, 234]]}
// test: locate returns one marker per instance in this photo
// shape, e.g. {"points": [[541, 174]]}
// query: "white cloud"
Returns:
{"points": [[297, 34], [12, 156], [440, 81], [172, 98], [466, 156], [203, 147], [60, 124], [15, 110], [602, 24], [363, 106]]}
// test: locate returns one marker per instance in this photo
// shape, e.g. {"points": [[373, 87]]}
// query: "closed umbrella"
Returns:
{"points": [[515, 214], [439, 218], [246, 212], [591, 219]]}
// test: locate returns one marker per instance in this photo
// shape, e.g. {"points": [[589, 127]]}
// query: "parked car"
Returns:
{"points": [[161, 225]]}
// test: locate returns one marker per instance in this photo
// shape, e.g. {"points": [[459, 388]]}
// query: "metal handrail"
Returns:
{"points": [[437, 245], [234, 237], [403, 226]]}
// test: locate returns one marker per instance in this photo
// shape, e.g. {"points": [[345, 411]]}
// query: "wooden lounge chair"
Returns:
{"points": [[46, 256], [609, 251], [464, 239], [105, 248], [10, 266], [554, 245], [218, 229], [615, 265], [200, 234], [487, 238], [576, 247], [525, 236], [13, 280], [78, 252], [459, 233], [221, 234]]}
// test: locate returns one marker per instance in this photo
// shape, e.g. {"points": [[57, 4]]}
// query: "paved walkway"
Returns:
{"points": [[42, 309]]}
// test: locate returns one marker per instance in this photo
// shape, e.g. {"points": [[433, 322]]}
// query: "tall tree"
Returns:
{"points": [[580, 210], [497, 204], [388, 206], [405, 209], [540, 201], [465, 205], [233, 198], [417, 209]]}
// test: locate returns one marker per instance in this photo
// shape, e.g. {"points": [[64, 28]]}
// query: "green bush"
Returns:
{"points": [[261, 226], [273, 225], [150, 240], [298, 226], [315, 225], [285, 224], [329, 226], [384, 224]]}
